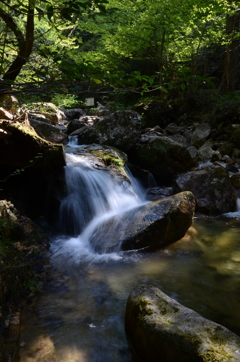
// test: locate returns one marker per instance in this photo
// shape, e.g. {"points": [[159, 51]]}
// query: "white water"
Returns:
{"points": [[234, 214], [93, 196]]}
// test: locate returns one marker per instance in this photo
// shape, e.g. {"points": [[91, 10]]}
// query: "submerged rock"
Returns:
{"points": [[149, 226], [161, 329]]}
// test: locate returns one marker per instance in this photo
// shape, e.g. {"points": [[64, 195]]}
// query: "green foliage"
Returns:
{"points": [[65, 100], [123, 44]]}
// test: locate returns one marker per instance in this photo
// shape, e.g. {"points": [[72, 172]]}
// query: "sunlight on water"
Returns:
{"points": [[81, 310]]}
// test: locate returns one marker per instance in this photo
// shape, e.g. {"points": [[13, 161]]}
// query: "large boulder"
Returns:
{"points": [[121, 129], [211, 187], [161, 329], [46, 130], [30, 168], [162, 156], [150, 226], [48, 110]]}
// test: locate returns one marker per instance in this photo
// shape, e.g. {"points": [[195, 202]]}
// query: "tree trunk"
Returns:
{"points": [[25, 43], [231, 75]]}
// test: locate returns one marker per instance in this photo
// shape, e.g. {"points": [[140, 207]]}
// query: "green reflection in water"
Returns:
{"points": [[80, 315]]}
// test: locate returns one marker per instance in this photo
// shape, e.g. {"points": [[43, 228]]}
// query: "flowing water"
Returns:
{"points": [[79, 316]]}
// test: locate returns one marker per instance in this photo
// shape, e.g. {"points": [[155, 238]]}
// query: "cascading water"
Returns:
{"points": [[93, 196]]}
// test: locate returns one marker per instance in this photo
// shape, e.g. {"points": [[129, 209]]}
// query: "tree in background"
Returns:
{"points": [[30, 25]]}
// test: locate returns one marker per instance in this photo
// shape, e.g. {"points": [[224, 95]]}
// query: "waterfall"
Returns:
{"points": [[92, 196]]}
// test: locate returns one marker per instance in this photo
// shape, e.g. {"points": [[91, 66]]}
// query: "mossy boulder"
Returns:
{"points": [[104, 157], [161, 329], [149, 227], [211, 187], [48, 110], [162, 156]]}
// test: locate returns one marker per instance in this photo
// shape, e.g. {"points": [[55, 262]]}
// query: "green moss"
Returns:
{"points": [[145, 306], [215, 355], [108, 159]]}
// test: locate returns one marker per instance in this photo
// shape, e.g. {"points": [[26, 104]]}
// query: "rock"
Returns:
{"points": [[211, 187], [20, 228], [150, 226], [235, 181], [48, 131], [193, 151], [227, 159], [74, 113], [29, 168], [49, 110], [74, 125], [4, 114], [10, 103], [90, 120], [121, 129], [173, 129], [163, 157], [161, 329], [180, 139], [231, 168], [200, 134], [103, 157], [216, 156], [87, 135], [206, 151], [157, 193], [38, 117], [225, 148]]}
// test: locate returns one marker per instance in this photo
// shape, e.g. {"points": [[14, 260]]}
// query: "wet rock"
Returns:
{"points": [[157, 193], [150, 226], [161, 329], [211, 187]]}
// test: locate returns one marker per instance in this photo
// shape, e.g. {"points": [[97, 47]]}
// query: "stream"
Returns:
{"points": [[79, 315]]}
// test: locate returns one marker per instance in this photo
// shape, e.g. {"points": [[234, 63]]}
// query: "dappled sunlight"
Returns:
{"points": [[41, 348], [71, 354]]}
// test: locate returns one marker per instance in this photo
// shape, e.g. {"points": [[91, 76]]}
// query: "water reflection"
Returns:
{"points": [[80, 314]]}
